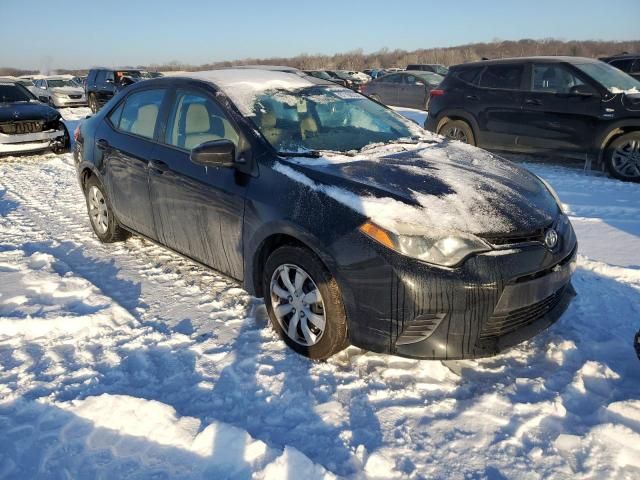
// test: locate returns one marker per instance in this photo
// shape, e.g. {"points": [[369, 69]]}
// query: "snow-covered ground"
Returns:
{"points": [[127, 361]]}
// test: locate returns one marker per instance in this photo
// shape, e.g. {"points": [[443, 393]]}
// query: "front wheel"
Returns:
{"points": [[457, 130], [622, 157], [103, 221], [304, 303]]}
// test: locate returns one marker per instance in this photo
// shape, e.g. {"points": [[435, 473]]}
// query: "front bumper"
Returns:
{"points": [[492, 302], [28, 142], [69, 102]]}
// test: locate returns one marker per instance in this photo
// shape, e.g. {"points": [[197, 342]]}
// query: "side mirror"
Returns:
{"points": [[108, 80], [582, 91], [216, 153]]}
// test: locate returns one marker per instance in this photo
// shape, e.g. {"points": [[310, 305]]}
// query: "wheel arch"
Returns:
{"points": [[460, 115], [611, 134]]}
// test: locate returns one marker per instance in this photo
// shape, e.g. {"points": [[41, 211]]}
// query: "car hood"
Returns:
{"points": [[26, 111], [444, 185], [67, 90]]}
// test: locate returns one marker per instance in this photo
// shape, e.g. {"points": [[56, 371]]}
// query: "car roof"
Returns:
{"points": [[545, 59], [278, 68]]}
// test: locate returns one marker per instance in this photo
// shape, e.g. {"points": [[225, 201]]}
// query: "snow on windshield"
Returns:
{"points": [[242, 86], [473, 206]]}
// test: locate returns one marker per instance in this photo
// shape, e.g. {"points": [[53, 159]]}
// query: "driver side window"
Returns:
{"points": [[195, 119], [553, 78]]}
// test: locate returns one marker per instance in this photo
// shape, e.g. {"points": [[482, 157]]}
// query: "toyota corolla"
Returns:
{"points": [[354, 224]]}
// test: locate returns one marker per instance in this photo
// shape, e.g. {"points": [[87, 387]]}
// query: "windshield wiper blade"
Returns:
{"points": [[307, 154]]}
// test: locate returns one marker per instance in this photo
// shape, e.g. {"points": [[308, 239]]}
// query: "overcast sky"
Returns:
{"points": [[80, 34]]}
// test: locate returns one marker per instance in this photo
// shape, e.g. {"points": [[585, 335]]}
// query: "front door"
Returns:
{"points": [[560, 110], [413, 92], [198, 210], [387, 88], [127, 145]]}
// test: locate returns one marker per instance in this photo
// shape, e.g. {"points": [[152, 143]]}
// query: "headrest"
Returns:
{"points": [[197, 119]]}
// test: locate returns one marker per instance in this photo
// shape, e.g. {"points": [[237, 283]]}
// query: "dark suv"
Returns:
{"points": [[104, 83], [562, 105], [628, 63]]}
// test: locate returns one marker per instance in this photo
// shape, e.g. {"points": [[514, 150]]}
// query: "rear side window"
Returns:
{"points": [[504, 77], [140, 113], [469, 75]]}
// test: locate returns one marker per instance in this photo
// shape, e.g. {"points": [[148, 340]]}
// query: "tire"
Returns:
{"points": [[101, 216], [66, 142], [318, 296], [93, 103], [458, 130], [622, 157]]}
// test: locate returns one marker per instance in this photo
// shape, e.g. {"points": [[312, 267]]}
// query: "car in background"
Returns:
{"points": [[414, 246], [352, 79], [323, 75], [103, 83], [39, 93], [26, 124], [64, 91], [429, 67], [146, 74], [80, 80], [571, 106], [405, 89], [628, 63]]}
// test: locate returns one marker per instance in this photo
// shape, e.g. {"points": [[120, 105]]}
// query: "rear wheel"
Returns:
{"points": [[103, 221], [93, 103], [304, 303], [622, 157], [458, 130]]}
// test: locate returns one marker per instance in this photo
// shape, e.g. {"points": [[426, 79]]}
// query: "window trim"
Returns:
{"points": [[159, 119]]}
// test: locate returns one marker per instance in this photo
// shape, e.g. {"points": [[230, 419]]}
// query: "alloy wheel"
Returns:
{"points": [[625, 159], [456, 133], [298, 305], [98, 211]]}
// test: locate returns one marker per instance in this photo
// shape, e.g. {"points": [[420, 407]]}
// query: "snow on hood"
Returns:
{"points": [[68, 90], [242, 86], [629, 91], [444, 185]]}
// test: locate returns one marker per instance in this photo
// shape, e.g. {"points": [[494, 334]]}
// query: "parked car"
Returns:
{"points": [[416, 246], [152, 74], [64, 92], [80, 80], [351, 79], [325, 76], [39, 93], [628, 63], [406, 89], [570, 106], [429, 67], [27, 124], [103, 83]]}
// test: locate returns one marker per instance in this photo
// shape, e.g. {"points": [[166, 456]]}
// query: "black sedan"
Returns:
{"points": [[26, 124], [354, 224], [404, 89]]}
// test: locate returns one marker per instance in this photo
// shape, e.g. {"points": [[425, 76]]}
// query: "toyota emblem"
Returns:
{"points": [[551, 238]]}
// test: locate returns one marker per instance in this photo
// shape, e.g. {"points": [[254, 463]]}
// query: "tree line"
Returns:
{"points": [[386, 58]]}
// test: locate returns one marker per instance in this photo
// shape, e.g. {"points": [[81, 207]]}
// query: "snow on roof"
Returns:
{"points": [[242, 86]]}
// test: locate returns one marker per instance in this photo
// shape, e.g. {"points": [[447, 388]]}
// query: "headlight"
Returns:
{"points": [[553, 193], [446, 249]]}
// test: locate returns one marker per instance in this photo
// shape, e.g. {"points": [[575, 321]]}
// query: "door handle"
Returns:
{"points": [[532, 101], [158, 166], [471, 97], [102, 144]]}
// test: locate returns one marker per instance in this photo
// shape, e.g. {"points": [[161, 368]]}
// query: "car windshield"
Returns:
{"points": [[610, 77], [26, 83], [326, 118], [441, 70], [12, 93], [322, 75], [61, 83]]}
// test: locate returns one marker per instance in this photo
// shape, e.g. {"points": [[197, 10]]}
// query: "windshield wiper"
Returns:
{"points": [[307, 154]]}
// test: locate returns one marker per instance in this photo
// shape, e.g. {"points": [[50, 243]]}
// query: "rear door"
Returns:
{"points": [[387, 88], [127, 143], [498, 102], [198, 210], [558, 112]]}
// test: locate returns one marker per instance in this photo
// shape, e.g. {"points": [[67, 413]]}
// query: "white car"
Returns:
{"points": [[64, 92], [40, 94]]}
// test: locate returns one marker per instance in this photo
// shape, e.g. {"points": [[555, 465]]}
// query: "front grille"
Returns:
{"points": [[499, 325], [16, 128], [535, 236], [75, 97]]}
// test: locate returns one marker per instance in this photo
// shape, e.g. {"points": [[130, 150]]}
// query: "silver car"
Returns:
{"points": [[404, 89], [64, 92], [41, 94]]}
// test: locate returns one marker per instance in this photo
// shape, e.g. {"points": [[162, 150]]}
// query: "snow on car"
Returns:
{"points": [[132, 361]]}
